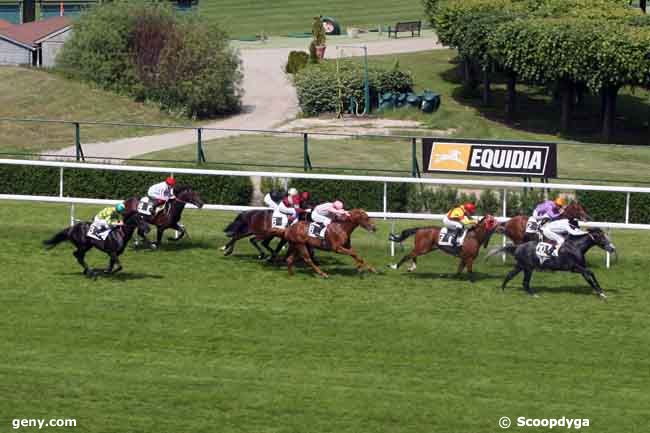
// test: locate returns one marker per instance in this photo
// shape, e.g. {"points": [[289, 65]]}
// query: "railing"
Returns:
{"points": [[504, 186]]}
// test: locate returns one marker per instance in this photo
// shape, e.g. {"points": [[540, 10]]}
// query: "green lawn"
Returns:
{"points": [[31, 93], [279, 17], [185, 339]]}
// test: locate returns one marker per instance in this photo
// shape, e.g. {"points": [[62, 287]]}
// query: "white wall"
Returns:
{"points": [[12, 54], [51, 47]]}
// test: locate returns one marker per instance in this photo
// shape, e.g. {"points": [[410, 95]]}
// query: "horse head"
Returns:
{"points": [[490, 224], [576, 210], [186, 194], [601, 239], [360, 217]]}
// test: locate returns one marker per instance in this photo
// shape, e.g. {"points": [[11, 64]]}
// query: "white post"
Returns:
{"points": [[61, 182], [72, 214], [505, 214], [627, 208], [392, 244], [385, 199], [607, 255]]}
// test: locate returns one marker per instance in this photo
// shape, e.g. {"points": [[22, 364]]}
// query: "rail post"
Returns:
{"points": [[385, 199], [77, 143], [505, 214], [306, 161], [627, 208], [415, 170], [200, 156], [60, 181]]}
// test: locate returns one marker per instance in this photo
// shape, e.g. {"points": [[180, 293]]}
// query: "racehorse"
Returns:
{"points": [[114, 244], [256, 223], [570, 258], [337, 239], [515, 227], [426, 240], [170, 215]]}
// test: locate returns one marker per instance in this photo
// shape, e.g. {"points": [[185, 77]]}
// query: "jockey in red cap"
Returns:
{"points": [[161, 192], [458, 218]]}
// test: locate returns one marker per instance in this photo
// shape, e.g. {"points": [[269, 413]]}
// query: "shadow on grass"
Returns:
{"points": [[537, 113], [120, 276], [476, 276]]}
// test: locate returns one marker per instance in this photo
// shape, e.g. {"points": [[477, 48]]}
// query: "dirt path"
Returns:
{"points": [[269, 100]]}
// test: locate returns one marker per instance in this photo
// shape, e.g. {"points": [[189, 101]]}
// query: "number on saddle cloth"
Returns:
{"points": [[98, 231], [544, 251], [446, 238], [532, 226], [279, 220], [145, 206], [316, 230]]}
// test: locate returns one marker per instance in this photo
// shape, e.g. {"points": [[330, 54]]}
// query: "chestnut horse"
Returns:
{"points": [[515, 227], [426, 240], [337, 239]]}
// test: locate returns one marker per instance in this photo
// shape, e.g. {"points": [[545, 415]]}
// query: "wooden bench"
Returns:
{"points": [[406, 26]]}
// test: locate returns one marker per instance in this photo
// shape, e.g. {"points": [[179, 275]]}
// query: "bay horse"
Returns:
{"points": [[255, 224], [114, 244], [337, 239], [169, 217], [515, 227], [570, 258], [426, 240]]}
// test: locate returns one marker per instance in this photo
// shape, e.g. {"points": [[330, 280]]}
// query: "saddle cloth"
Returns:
{"points": [[98, 231], [145, 206], [446, 239], [544, 251], [279, 220], [316, 230]]}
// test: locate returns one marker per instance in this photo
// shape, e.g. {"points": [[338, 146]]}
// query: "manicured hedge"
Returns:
{"points": [[610, 206], [117, 184]]}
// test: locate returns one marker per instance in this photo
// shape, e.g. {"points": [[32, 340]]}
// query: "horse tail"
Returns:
{"points": [[61, 236], [405, 234], [508, 249], [238, 226]]}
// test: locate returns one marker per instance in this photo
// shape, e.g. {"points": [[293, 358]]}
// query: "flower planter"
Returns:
{"points": [[320, 51]]}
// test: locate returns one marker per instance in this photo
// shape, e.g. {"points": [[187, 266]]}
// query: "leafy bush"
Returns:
{"points": [[105, 184], [297, 61], [142, 48], [318, 85]]}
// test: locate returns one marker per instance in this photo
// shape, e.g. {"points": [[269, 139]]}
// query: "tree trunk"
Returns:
{"points": [[567, 92], [580, 89], [469, 76], [609, 114], [486, 85], [642, 4], [603, 102], [511, 97]]}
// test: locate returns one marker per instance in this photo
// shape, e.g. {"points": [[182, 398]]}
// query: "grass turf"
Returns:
{"points": [[33, 93], [185, 339], [279, 17]]}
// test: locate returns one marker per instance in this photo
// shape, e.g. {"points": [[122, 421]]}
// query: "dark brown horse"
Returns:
{"points": [[169, 217], [114, 244], [515, 227], [255, 224], [337, 239], [426, 240]]}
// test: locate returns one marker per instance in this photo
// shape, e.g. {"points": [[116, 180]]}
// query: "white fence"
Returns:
{"points": [[503, 186]]}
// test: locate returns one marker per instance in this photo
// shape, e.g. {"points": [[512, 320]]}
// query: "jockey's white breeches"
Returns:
{"points": [[316, 217], [269, 202], [286, 210], [557, 230], [451, 224]]}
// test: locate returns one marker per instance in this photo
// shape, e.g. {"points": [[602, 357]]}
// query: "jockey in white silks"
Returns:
{"points": [[324, 213], [558, 231], [161, 192], [282, 202]]}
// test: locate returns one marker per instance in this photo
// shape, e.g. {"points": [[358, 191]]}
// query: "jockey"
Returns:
{"points": [[558, 230], [106, 220], [458, 218], [161, 192], [549, 209], [324, 213], [284, 202]]}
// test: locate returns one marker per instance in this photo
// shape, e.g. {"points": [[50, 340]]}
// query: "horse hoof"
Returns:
{"points": [[601, 295], [261, 257], [533, 295], [373, 270], [223, 248], [393, 266], [227, 253]]}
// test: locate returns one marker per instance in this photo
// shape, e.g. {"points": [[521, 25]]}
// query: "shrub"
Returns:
{"points": [[105, 184], [297, 61], [142, 48], [318, 86]]}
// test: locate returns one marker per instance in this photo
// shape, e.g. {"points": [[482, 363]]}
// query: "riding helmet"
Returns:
{"points": [[304, 195], [338, 204], [170, 181], [560, 201], [470, 207], [293, 191], [120, 207]]}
